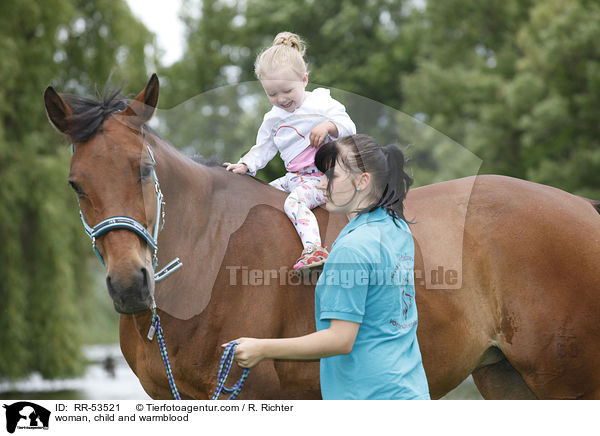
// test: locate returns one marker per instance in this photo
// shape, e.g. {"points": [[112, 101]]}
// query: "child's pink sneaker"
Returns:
{"points": [[312, 256]]}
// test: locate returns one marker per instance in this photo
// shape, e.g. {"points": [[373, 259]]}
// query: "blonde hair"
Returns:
{"points": [[287, 51]]}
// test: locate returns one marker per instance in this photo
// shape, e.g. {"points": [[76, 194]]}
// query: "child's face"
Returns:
{"points": [[284, 89]]}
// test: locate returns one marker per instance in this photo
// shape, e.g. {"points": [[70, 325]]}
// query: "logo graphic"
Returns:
{"points": [[26, 415]]}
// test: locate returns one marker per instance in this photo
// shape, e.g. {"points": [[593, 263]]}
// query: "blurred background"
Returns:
{"points": [[464, 87]]}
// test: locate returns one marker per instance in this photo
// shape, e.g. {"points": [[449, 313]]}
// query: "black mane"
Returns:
{"points": [[212, 161], [89, 114]]}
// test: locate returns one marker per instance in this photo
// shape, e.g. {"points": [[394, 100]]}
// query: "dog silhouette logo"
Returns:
{"points": [[26, 415]]}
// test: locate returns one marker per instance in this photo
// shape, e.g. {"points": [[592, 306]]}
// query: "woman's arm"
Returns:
{"points": [[337, 339]]}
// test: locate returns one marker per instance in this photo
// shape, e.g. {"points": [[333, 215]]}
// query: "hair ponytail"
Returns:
{"points": [[287, 51], [289, 39], [361, 153], [397, 184]]}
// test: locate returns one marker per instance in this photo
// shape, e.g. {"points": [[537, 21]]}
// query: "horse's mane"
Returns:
{"points": [[89, 114], [212, 161]]}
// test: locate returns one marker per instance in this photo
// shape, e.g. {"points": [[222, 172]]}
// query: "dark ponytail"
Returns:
{"points": [[360, 154], [397, 182]]}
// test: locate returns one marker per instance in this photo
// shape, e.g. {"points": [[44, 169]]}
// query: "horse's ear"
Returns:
{"points": [[57, 110], [142, 107]]}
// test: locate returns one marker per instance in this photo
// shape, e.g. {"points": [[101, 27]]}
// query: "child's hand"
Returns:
{"points": [[320, 132], [240, 168], [248, 353]]}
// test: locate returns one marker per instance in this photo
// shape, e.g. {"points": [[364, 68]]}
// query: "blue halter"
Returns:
{"points": [[127, 223]]}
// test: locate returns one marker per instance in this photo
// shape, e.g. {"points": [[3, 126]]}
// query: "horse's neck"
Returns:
{"points": [[200, 198], [204, 207], [187, 189]]}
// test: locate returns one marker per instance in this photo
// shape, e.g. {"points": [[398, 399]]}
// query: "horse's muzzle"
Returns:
{"points": [[133, 293]]}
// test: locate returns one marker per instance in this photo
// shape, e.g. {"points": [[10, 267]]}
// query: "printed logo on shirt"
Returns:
{"points": [[402, 272], [401, 325], [404, 264], [290, 127], [407, 300]]}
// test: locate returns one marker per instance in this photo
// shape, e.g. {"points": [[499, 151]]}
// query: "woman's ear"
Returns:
{"points": [[364, 181]]}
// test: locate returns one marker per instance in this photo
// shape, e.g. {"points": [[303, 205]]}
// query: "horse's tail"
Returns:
{"points": [[595, 203]]}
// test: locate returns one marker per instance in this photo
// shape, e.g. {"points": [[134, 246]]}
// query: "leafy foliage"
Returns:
{"points": [[46, 279], [511, 85], [521, 92], [352, 48], [502, 86]]}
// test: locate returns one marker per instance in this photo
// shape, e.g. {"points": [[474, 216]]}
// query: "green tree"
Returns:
{"points": [[556, 94], [353, 48], [45, 279], [516, 82], [513, 82]]}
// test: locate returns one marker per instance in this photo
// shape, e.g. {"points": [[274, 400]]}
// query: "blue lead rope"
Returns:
{"points": [[224, 368], [163, 352]]}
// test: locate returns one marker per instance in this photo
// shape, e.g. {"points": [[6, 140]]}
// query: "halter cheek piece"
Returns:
{"points": [[127, 223]]}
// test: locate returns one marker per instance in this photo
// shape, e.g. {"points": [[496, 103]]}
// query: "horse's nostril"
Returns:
{"points": [[109, 285], [144, 287], [131, 293], [112, 291]]}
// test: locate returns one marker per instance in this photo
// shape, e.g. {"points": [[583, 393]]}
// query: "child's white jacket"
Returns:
{"points": [[289, 133]]}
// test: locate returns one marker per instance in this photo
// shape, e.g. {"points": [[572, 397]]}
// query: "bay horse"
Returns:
{"points": [[506, 271]]}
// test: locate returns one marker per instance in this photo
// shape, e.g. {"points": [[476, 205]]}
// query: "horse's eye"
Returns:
{"points": [[145, 172], [78, 190]]}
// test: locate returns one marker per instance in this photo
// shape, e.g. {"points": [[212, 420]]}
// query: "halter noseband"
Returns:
{"points": [[127, 223]]}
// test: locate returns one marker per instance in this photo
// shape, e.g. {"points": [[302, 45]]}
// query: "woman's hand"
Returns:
{"points": [[248, 353], [337, 339], [240, 168], [320, 131]]}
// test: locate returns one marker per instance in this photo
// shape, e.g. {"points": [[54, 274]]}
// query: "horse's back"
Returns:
{"points": [[527, 256]]}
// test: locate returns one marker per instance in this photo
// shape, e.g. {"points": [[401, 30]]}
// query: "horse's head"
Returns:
{"points": [[112, 176]]}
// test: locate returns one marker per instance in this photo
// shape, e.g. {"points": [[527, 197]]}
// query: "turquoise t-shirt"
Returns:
{"points": [[369, 279]]}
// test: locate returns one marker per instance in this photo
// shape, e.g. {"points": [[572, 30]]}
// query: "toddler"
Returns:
{"points": [[297, 125]]}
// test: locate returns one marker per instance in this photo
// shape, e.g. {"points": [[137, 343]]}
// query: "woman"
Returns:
{"points": [[365, 309]]}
